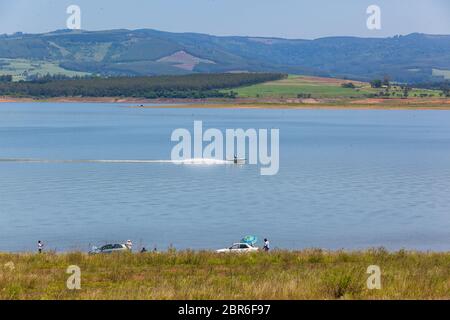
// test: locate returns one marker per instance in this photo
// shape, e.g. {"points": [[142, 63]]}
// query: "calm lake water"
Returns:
{"points": [[348, 179]]}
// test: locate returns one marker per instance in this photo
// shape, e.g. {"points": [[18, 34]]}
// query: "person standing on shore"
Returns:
{"points": [[266, 245], [40, 246], [129, 245]]}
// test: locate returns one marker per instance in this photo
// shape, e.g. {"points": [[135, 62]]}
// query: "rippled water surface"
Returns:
{"points": [[348, 179]]}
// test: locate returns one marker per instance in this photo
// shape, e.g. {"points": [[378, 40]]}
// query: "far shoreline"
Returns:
{"points": [[280, 104]]}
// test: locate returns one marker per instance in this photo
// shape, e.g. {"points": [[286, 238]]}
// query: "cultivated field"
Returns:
{"points": [[441, 73], [309, 274], [21, 68], [316, 87]]}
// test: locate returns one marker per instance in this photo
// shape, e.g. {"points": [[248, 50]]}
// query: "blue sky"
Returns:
{"points": [[281, 18]]}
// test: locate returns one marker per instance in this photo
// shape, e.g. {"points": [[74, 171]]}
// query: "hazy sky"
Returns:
{"points": [[280, 18]]}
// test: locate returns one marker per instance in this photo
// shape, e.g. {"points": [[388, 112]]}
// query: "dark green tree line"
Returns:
{"points": [[186, 86]]}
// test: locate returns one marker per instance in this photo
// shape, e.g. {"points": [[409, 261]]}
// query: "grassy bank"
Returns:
{"points": [[310, 274]]}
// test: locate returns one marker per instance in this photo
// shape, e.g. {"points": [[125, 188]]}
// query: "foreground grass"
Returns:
{"points": [[310, 274]]}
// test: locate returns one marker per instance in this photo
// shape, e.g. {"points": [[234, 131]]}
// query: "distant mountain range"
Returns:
{"points": [[412, 58]]}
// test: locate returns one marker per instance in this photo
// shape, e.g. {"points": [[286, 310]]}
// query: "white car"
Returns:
{"points": [[239, 248]]}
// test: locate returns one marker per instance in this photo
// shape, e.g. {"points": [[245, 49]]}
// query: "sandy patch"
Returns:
{"points": [[184, 60]]}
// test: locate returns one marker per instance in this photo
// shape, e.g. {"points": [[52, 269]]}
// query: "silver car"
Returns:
{"points": [[109, 248]]}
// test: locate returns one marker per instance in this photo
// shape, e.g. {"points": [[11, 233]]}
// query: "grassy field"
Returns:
{"points": [[441, 73], [309, 274], [318, 88], [20, 68]]}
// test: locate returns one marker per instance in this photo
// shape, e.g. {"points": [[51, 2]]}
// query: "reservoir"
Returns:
{"points": [[350, 179]]}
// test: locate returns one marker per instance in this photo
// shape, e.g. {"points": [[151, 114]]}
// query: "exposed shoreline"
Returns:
{"points": [[92, 100], [327, 104], [299, 106], [169, 250]]}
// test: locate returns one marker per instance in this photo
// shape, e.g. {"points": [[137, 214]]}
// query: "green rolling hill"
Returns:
{"points": [[412, 58]]}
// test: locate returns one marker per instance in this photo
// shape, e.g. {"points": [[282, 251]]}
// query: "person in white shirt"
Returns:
{"points": [[266, 245], [40, 246], [129, 245]]}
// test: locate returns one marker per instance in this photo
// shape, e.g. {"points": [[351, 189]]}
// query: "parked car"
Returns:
{"points": [[109, 248], [238, 248]]}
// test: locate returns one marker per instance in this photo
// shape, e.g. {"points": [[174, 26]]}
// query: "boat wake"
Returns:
{"points": [[194, 161]]}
